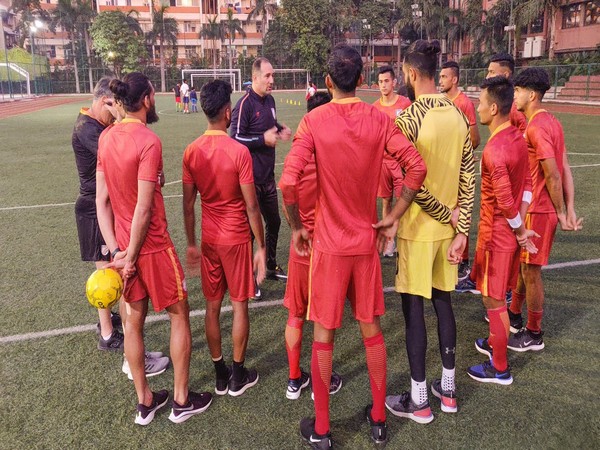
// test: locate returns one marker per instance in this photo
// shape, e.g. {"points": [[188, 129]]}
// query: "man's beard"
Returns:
{"points": [[151, 116], [410, 90]]}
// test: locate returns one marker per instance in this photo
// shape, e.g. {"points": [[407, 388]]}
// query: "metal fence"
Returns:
{"points": [[572, 81]]}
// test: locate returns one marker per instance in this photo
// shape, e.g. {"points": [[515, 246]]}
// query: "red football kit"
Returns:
{"points": [[517, 118], [391, 173], [129, 152], [545, 139], [504, 177], [465, 104], [218, 166], [348, 139]]}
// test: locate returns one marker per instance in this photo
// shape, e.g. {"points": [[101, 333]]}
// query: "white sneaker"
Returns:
{"points": [[152, 366]]}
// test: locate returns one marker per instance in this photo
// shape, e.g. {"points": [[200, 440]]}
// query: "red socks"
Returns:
{"points": [[322, 356], [516, 306], [534, 320], [377, 366], [499, 330], [293, 345]]}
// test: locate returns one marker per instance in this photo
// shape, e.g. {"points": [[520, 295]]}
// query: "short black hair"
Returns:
{"points": [[214, 97], [386, 69], [504, 60], [344, 66], [501, 92], [257, 64], [455, 68], [534, 78], [422, 56], [131, 91], [320, 98]]}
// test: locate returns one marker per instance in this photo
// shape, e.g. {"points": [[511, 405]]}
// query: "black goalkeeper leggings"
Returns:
{"points": [[416, 334]]}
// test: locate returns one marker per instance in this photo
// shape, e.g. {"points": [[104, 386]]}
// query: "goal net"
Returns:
{"points": [[199, 77]]}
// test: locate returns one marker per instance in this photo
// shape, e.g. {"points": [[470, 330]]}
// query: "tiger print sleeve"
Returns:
{"points": [[432, 206], [409, 123], [466, 187]]}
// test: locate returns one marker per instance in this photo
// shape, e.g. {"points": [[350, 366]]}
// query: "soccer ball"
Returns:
{"points": [[103, 288]]}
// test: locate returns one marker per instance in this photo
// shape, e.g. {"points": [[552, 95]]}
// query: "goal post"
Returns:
{"points": [[291, 79], [234, 76]]}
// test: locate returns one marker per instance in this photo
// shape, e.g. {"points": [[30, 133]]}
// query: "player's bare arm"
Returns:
{"points": [[554, 184], [300, 236], [189, 218], [254, 217], [139, 224], [475, 138], [574, 223], [106, 218], [388, 226]]}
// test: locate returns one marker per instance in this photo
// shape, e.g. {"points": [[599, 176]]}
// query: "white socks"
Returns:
{"points": [[418, 391], [448, 379]]}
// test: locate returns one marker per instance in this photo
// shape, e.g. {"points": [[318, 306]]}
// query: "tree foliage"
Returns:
{"points": [[118, 42], [164, 30]]}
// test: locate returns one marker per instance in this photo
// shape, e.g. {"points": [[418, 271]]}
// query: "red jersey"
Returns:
{"points": [[394, 110], [517, 118], [218, 165], [129, 152], [392, 167], [307, 200], [545, 139], [465, 104], [348, 138], [504, 177]]}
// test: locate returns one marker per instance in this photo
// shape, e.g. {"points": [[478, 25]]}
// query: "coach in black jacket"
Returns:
{"points": [[254, 124]]}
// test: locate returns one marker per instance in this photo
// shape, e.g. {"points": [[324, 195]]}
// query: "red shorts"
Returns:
{"points": [[390, 180], [495, 272], [296, 289], [227, 267], [543, 224], [177, 99], [159, 276], [334, 278]]}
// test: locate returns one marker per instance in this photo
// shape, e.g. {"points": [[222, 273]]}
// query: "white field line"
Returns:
{"points": [[202, 312], [53, 205]]}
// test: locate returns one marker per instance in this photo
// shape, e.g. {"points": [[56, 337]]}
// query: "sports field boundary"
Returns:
{"points": [[202, 312]]}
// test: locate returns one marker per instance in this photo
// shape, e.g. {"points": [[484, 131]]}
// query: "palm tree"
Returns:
{"points": [[213, 31], [264, 9], [164, 29], [71, 16], [232, 26]]}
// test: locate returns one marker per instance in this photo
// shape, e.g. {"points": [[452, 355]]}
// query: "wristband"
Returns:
{"points": [[114, 252], [515, 222]]}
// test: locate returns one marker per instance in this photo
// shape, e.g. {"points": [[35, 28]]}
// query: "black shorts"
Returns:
{"points": [[91, 243]]}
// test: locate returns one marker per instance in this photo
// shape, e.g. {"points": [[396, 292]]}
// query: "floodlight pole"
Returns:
{"points": [[32, 29], [10, 93]]}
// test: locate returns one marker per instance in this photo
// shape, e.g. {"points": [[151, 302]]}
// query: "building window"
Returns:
{"points": [[571, 16], [128, 2], [537, 26], [52, 51], [592, 13], [189, 27], [210, 7], [258, 27], [190, 51]]}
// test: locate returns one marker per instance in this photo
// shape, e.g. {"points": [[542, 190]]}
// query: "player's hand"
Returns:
{"points": [[271, 136], [386, 230], [302, 241], [260, 264], [286, 133], [129, 269], [454, 217], [161, 178], [570, 221], [525, 241], [457, 248], [118, 262], [192, 260], [116, 109]]}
